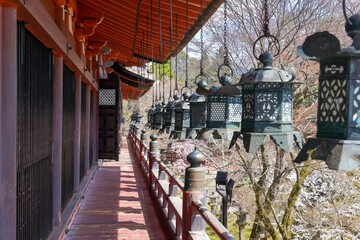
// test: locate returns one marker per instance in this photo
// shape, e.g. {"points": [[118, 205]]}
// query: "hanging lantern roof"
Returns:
{"points": [[266, 74], [197, 98]]}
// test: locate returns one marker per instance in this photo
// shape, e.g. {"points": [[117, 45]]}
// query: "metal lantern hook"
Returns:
{"points": [[345, 14], [267, 33], [201, 75], [227, 77]]}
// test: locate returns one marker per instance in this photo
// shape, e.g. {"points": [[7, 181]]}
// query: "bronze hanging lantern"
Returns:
{"points": [[223, 103], [197, 111], [151, 116], [223, 110], [267, 99], [169, 116], [197, 100], [158, 115], [182, 107], [267, 107], [182, 117], [338, 119]]}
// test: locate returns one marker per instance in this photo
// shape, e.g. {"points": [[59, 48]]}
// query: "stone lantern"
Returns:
{"points": [[267, 107], [338, 119]]}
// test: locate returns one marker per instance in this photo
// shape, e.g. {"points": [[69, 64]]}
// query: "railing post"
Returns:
{"points": [[142, 145], [154, 154], [136, 128], [143, 136], [194, 190]]}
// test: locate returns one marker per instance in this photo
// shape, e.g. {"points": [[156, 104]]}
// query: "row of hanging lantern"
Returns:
{"points": [[264, 105]]}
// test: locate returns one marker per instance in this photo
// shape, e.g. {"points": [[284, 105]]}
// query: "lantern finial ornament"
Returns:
{"points": [[266, 59], [338, 134]]}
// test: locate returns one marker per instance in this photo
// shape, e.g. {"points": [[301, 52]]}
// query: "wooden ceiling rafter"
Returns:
{"points": [[119, 25]]}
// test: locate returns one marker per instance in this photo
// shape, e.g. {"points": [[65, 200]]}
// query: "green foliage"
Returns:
{"points": [[232, 227], [162, 70]]}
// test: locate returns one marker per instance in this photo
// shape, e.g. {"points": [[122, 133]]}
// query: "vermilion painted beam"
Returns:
{"points": [[42, 25]]}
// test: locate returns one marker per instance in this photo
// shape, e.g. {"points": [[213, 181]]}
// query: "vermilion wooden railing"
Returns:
{"points": [[171, 195]]}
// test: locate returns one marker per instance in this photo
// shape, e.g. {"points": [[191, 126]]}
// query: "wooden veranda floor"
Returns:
{"points": [[117, 205]]}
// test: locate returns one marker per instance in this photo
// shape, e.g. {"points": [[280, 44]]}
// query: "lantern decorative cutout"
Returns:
{"points": [[197, 111], [338, 134], [224, 108], [267, 107], [182, 117]]}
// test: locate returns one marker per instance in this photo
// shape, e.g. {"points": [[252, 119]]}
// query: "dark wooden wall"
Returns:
{"points": [[34, 140]]}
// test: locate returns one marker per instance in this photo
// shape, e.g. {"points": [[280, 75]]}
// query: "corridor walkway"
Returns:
{"points": [[117, 205]]}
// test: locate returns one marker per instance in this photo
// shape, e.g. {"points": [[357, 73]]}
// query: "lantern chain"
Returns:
{"points": [[153, 96], [170, 94], [163, 80], [156, 85], [266, 20], [187, 48], [226, 52], [201, 41], [159, 82], [176, 57]]}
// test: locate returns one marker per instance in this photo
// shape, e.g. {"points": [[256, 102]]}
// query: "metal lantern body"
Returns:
{"points": [[169, 116], [182, 119], [149, 116], [152, 112], [338, 134], [267, 101], [223, 111], [197, 111], [182, 115], [197, 115], [339, 97], [267, 107], [158, 116], [138, 118]]}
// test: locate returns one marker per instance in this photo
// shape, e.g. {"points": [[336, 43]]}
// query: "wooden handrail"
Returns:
{"points": [[169, 199]]}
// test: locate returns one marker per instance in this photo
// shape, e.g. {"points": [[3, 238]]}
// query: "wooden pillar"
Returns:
{"points": [[95, 128], [57, 135], [87, 129], [77, 132], [8, 120]]}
